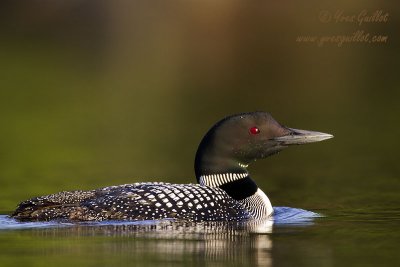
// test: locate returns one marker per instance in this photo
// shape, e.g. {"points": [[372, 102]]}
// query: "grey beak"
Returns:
{"points": [[299, 137]]}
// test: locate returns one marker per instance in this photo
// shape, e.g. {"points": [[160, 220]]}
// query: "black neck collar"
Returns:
{"points": [[240, 189]]}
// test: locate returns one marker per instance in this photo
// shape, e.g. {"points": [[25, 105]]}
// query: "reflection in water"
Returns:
{"points": [[175, 241], [245, 243], [213, 241]]}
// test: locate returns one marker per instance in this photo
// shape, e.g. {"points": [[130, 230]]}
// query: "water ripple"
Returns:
{"points": [[282, 216]]}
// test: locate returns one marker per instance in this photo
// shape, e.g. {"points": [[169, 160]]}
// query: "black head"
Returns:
{"points": [[234, 142]]}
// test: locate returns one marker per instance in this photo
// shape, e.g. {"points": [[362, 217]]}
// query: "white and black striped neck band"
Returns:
{"points": [[215, 180]]}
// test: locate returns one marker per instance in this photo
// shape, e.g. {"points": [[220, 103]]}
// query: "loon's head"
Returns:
{"points": [[236, 141]]}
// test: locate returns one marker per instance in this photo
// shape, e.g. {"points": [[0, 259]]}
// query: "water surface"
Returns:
{"points": [[282, 216], [294, 237]]}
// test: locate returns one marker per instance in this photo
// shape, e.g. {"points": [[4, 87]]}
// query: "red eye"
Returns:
{"points": [[254, 130]]}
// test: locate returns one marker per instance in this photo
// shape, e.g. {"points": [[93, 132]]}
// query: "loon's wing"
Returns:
{"points": [[152, 201]]}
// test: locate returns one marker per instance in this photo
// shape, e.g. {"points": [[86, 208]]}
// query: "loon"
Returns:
{"points": [[225, 190]]}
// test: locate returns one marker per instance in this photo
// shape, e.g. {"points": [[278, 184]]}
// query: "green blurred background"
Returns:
{"points": [[97, 93]]}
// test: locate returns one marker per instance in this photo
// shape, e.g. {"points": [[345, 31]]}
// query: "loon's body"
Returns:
{"points": [[225, 191], [142, 201]]}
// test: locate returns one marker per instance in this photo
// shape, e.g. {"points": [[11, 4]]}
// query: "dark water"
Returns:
{"points": [[294, 237], [99, 93]]}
